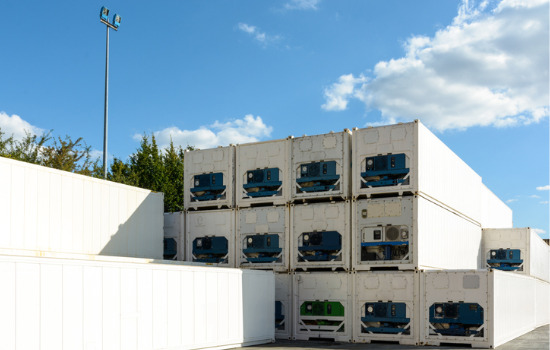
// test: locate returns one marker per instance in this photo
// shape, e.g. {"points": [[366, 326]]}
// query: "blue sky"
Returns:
{"points": [[210, 73]]}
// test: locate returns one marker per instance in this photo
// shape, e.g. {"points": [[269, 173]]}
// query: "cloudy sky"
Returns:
{"points": [[209, 73]]}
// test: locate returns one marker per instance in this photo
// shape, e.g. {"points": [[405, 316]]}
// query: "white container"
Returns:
{"points": [[46, 209], [211, 234], [204, 170], [328, 222], [386, 307], [283, 301], [430, 168], [533, 259], [330, 173], [323, 306], [174, 233], [508, 303], [262, 173], [543, 303], [263, 238], [416, 232], [57, 303], [495, 213]]}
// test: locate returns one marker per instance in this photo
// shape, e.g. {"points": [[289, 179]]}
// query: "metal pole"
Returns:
{"points": [[106, 106]]}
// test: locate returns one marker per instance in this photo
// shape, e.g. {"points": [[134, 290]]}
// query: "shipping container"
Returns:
{"points": [[262, 173], [209, 178], [386, 307], [321, 166], [495, 213], [210, 237], [263, 238], [283, 305], [323, 306], [409, 159], [321, 236], [483, 309], [412, 232], [543, 303], [45, 209], [174, 236], [518, 250], [66, 303]]}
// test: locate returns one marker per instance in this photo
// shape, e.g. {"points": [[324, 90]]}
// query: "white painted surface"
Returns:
{"points": [[394, 286], [334, 146], [51, 210], [260, 221], [174, 227], [543, 303], [495, 213], [262, 155], [57, 303], [319, 217], [211, 223], [323, 286], [215, 160], [283, 294], [534, 251], [438, 238]]}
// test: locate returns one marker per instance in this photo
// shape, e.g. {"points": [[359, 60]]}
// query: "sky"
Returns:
{"points": [[209, 73]]}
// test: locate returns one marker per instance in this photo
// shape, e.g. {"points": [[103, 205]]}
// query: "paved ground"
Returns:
{"points": [[539, 339]]}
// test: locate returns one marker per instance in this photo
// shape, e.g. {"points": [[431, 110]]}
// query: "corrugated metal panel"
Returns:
{"points": [[262, 155], [495, 213], [283, 295], [83, 304], [542, 303], [52, 210]]}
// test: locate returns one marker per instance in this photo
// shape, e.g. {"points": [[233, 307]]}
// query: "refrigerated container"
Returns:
{"points": [[322, 306], [263, 238], [174, 236], [321, 236], [321, 166], [483, 309], [262, 173], [210, 237], [386, 306], [68, 303], [45, 209], [412, 232], [283, 305], [209, 178], [495, 213], [518, 250]]}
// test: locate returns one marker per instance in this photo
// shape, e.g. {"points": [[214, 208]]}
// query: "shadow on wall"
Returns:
{"points": [[258, 300]]}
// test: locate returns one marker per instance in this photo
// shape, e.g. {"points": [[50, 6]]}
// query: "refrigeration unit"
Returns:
{"points": [[174, 237], [320, 166], [411, 232], [320, 234], [519, 250], [408, 159], [283, 305], [210, 237], [263, 238], [386, 307], [262, 173], [209, 178], [480, 308], [322, 306]]}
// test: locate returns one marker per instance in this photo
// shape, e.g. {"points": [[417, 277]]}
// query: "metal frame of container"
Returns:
{"points": [[211, 223], [133, 303], [174, 227], [387, 286], [325, 147], [509, 304], [262, 155], [46, 209], [437, 238], [435, 171], [324, 287], [214, 160], [330, 216], [283, 294], [534, 251], [263, 220]]}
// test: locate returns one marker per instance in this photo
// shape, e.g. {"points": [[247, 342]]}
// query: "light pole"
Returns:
{"points": [[103, 16]]}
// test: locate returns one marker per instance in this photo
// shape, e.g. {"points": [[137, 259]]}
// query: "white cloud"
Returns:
{"points": [[488, 68], [302, 5], [538, 231], [544, 202], [512, 200], [534, 196], [248, 129], [261, 37], [544, 188], [16, 126]]}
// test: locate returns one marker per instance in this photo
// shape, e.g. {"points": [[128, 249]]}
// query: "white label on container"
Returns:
{"points": [[262, 228], [329, 142], [273, 216], [399, 282], [305, 145], [250, 218], [470, 282]]}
